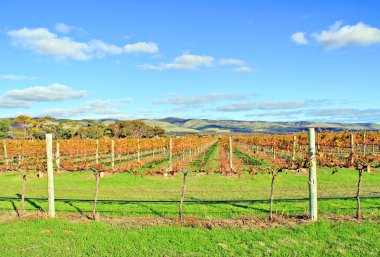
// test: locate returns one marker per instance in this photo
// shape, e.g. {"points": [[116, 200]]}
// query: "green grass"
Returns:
{"points": [[199, 185], [326, 208], [207, 160], [80, 237], [64, 238]]}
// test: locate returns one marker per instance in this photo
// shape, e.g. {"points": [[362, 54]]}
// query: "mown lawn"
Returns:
{"points": [[199, 185], [61, 237]]}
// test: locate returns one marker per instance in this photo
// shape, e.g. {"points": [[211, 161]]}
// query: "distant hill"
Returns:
{"points": [[193, 126], [177, 125]]}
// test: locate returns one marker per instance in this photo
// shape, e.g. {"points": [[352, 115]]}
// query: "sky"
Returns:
{"points": [[281, 60]]}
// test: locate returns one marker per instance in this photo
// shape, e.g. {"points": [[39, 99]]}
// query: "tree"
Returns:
{"points": [[4, 128], [136, 128], [24, 123], [154, 132]]}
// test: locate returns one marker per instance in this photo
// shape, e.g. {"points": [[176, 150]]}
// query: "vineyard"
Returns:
{"points": [[242, 170]]}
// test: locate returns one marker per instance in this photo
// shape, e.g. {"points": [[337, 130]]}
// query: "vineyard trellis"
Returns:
{"points": [[167, 156]]}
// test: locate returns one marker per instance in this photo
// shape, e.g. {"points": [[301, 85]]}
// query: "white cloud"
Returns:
{"points": [[98, 109], [13, 77], [63, 28], [286, 114], [42, 41], [54, 92], [176, 99], [243, 69], [248, 106], [143, 47], [346, 114], [13, 103], [100, 49], [241, 66], [230, 61], [185, 61], [299, 38], [339, 36]]}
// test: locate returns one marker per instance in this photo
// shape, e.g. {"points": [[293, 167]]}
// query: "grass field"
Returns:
{"points": [[200, 186], [64, 238], [210, 229]]}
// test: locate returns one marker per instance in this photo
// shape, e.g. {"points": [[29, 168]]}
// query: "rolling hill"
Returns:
{"points": [[177, 125]]}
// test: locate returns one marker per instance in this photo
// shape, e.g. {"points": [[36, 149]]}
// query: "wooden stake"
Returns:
{"points": [[294, 148], [5, 154], [112, 154], [50, 174], [364, 145], [352, 149], [58, 157], [97, 152], [170, 154], [230, 154], [138, 150], [313, 201]]}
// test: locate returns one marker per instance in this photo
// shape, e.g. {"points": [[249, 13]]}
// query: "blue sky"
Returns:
{"points": [[243, 60]]}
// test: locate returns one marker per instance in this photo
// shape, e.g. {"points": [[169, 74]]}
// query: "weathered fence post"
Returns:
{"points": [[97, 152], [352, 148], [312, 177], [6, 154], [58, 157], [50, 174], [364, 145], [230, 154], [112, 154], [138, 150], [170, 154], [294, 148]]}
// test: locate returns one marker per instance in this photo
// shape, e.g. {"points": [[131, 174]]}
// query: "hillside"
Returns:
{"points": [[192, 126], [174, 125]]}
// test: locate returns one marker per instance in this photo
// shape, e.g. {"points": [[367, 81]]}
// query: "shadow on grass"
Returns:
{"points": [[15, 207], [75, 207], [160, 214], [32, 203], [249, 207]]}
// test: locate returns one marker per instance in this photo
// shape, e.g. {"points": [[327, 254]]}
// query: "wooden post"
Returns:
{"points": [[230, 154], [352, 148], [312, 177], [6, 154], [294, 148], [97, 152], [50, 174], [170, 154], [364, 145], [138, 150], [112, 154], [58, 157]]}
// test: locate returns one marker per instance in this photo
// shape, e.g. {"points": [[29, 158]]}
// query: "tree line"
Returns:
{"points": [[36, 128]]}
